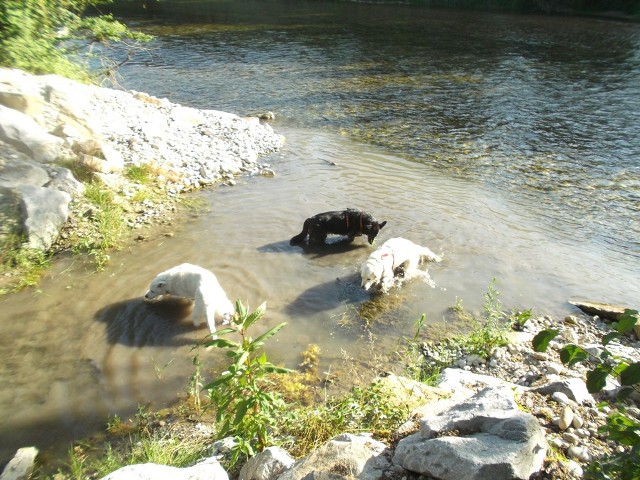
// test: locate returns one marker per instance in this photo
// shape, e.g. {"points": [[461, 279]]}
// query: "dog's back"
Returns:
{"points": [[349, 222]]}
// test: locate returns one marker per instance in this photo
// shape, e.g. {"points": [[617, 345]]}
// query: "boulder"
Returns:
{"points": [[266, 465], [44, 211], [484, 437], [21, 465], [574, 388], [209, 469], [345, 456], [603, 310], [27, 136]]}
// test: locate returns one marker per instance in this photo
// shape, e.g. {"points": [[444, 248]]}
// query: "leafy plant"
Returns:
{"points": [[25, 264], [625, 431], [604, 363], [487, 333], [245, 408], [620, 428], [55, 36]]}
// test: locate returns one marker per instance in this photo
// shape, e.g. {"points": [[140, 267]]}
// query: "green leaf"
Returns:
{"points": [[218, 381], [597, 379], [255, 315], [241, 410], [606, 339], [628, 320], [631, 374], [240, 361], [241, 310], [265, 336], [541, 340], [572, 354], [221, 343]]}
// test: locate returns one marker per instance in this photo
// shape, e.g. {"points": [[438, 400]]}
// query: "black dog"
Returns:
{"points": [[350, 222]]}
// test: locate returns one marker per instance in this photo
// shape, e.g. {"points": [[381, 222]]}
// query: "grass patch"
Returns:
{"points": [[363, 409], [488, 332], [23, 264], [155, 447]]}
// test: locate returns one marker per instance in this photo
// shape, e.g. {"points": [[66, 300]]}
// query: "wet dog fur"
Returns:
{"points": [[394, 256], [350, 223], [197, 284]]}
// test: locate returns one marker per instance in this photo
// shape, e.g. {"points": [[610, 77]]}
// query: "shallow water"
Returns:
{"points": [[508, 144], [84, 345]]}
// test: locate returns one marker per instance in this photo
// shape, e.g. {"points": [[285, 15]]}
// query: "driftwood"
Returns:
{"points": [[603, 310]]}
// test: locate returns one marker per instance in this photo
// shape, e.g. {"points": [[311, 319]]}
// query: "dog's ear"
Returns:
{"points": [[382, 224]]}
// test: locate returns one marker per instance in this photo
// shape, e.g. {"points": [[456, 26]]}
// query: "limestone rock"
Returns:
{"points": [[208, 469], [45, 211], [27, 136], [345, 456], [494, 440], [267, 465], [21, 465]]}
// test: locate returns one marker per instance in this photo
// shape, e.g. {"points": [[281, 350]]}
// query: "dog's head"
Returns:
{"points": [[157, 288], [371, 273], [371, 228]]}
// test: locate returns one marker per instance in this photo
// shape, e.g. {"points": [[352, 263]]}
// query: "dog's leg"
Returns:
{"points": [[211, 321], [198, 308], [302, 235], [429, 256]]}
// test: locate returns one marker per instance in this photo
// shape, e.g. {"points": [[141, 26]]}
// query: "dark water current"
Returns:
{"points": [[508, 144]]}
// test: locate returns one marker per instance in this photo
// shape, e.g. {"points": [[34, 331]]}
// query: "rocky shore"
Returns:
{"points": [[517, 414], [51, 126]]}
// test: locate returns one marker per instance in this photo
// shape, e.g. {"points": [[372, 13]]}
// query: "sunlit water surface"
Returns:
{"points": [[509, 145]]}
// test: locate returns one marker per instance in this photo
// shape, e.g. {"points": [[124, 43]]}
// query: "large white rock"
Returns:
{"points": [[493, 440], [209, 469], [44, 211], [21, 465], [267, 465], [347, 455]]}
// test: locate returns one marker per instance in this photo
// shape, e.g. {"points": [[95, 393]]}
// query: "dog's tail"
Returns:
{"points": [[302, 235]]}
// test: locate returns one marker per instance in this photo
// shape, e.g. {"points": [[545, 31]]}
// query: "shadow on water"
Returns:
{"points": [[328, 296], [333, 246], [338, 246], [136, 323]]}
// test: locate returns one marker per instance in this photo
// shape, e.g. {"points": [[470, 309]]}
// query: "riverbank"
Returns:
{"points": [[437, 432], [84, 167]]}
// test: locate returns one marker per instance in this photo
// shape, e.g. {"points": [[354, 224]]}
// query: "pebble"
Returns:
{"points": [[566, 418], [571, 438], [561, 398], [581, 453], [577, 422], [575, 468]]}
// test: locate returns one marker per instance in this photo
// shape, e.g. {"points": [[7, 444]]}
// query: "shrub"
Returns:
{"points": [[245, 407], [54, 36]]}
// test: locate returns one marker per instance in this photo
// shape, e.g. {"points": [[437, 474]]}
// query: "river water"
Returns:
{"points": [[508, 144]]}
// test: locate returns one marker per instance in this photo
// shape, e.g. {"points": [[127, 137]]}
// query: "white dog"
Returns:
{"points": [[382, 265], [198, 284]]}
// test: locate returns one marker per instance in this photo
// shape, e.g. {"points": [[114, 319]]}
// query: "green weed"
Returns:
{"points": [[245, 406]]}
